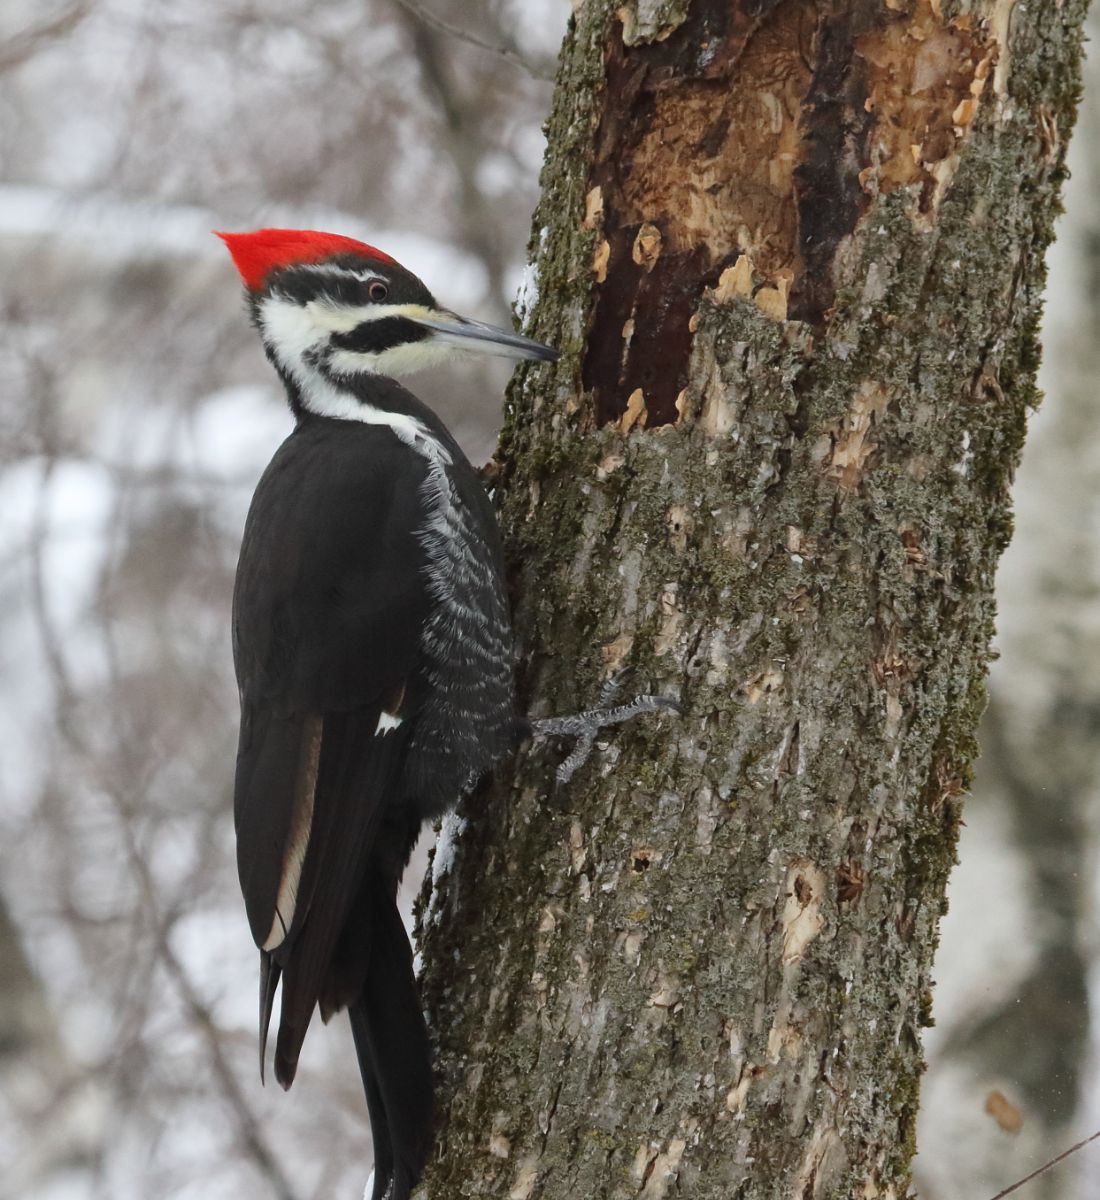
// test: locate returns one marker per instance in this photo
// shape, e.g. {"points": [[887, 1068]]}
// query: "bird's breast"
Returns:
{"points": [[468, 722]]}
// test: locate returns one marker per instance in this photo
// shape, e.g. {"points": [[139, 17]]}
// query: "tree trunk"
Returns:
{"points": [[793, 254]]}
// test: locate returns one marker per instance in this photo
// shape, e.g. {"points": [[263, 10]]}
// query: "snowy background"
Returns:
{"points": [[136, 413]]}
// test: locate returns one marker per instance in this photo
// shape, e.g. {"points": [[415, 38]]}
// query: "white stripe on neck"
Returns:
{"points": [[295, 336]]}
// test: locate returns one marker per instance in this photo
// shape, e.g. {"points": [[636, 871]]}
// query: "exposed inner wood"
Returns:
{"points": [[757, 134]]}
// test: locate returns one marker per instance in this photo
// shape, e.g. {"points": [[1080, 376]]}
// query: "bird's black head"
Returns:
{"points": [[331, 307]]}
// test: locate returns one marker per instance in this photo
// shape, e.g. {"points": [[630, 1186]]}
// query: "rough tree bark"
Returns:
{"points": [[793, 252]]}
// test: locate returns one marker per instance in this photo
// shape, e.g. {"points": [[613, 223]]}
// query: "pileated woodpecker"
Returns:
{"points": [[373, 651]]}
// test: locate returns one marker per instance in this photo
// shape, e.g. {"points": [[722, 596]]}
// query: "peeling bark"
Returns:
{"points": [[793, 254], [760, 132]]}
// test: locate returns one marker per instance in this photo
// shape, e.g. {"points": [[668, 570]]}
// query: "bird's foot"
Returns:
{"points": [[584, 726]]}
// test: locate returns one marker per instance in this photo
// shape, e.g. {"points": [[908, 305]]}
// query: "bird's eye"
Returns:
{"points": [[378, 290]]}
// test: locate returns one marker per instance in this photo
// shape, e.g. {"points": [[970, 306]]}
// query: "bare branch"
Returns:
{"points": [[1045, 1167], [462, 144], [16, 50], [247, 1125], [506, 50]]}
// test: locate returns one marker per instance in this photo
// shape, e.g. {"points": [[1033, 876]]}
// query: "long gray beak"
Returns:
{"points": [[475, 336]]}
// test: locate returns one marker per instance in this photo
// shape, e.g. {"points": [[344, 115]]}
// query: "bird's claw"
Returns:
{"points": [[584, 726]]}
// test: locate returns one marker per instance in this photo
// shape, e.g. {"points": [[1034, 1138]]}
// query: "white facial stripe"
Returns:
{"points": [[290, 330], [295, 338], [397, 361], [296, 331], [298, 841], [339, 318], [362, 274]]}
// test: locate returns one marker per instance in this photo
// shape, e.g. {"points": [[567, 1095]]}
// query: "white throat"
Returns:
{"points": [[298, 337]]}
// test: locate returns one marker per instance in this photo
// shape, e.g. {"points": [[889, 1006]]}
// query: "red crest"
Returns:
{"points": [[257, 254]]}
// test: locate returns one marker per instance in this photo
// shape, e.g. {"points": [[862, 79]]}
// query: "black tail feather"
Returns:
{"points": [[391, 1041], [379, 1128], [269, 981]]}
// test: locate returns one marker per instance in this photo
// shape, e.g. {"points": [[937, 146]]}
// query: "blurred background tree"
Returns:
{"points": [[1018, 968], [135, 417]]}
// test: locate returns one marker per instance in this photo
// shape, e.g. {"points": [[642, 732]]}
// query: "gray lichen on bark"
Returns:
{"points": [[780, 496]]}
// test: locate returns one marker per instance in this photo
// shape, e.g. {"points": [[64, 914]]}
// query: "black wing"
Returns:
{"points": [[328, 608]]}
